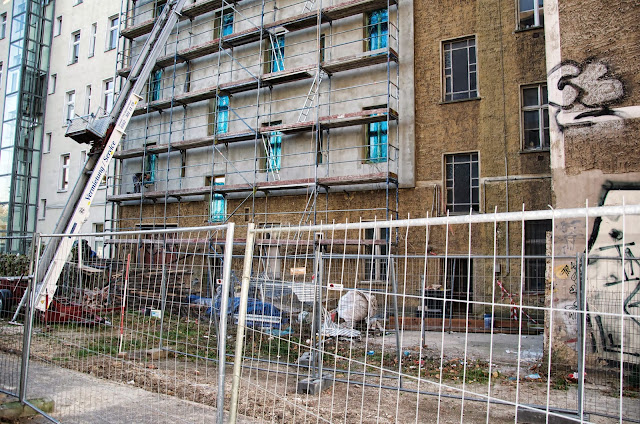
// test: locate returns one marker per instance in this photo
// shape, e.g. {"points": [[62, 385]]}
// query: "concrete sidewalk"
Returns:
{"points": [[81, 398]]}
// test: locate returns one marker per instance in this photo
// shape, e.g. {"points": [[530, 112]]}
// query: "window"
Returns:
{"points": [[57, 26], [217, 204], [3, 25], [222, 125], [92, 39], [70, 106], [157, 9], [227, 24], [64, 172], [150, 167], [460, 69], [376, 136], [376, 250], [462, 183], [275, 59], [47, 143], [112, 36], [535, 117], [43, 209], [83, 157], [53, 80], [377, 29], [273, 149], [323, 46], [155, 85], [99, 240], [107, 96], [535, 244], [75, 47], [87, 100], [530, 14]]}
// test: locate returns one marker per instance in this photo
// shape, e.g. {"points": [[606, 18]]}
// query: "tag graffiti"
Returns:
{"points": [[589, 89]]}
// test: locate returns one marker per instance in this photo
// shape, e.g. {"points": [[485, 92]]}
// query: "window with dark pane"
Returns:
{"points": [[535, 248], [530, 14], [535, 117], [462, 183], [460, 69]]}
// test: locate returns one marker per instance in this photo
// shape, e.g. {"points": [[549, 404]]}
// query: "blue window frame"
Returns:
{"points": [[377, 29], [217, 205], [276, 53], [377, 141], [227, 24], [222, 125], [274, 151], [150, 166], [155, 85]]}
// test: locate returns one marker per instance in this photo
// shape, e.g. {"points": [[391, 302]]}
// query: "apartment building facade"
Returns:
{"points": [[81, 83]]}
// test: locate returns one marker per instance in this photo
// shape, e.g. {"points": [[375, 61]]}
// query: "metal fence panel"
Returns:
{"points": [[443, 319], [138, 314]]}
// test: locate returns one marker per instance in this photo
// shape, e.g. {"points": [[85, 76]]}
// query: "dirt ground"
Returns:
{"points": [[448, 390]]}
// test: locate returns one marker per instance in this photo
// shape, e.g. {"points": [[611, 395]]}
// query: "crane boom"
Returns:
{"points": [[76, 211]]}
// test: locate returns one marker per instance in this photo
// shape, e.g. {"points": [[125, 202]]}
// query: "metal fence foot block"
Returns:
{"points": [[314, 385], [530, 416]]}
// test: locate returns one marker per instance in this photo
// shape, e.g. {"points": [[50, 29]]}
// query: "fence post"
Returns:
{"points": [[28, 317], [242, 320], [582, 310], [222, 331]]}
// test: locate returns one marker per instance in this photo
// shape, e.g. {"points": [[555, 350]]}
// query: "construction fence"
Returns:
{"points": [[503, 317]]}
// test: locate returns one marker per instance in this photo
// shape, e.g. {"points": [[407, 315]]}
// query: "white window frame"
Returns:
{"points": [[87, 99], [75, 48], [542, 109], [113, 33], [378, 269], [538, 15], [42, 213], [107, 95], [3, 25], [450, 182], [57, 27], [53, 81], [448, 93], [92, 39], [46, 148], [98, 243], [63, 181], [69, 106]]}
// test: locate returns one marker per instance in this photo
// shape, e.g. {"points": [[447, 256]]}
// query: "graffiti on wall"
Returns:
{"points": [[588, 91], [613, 284]]}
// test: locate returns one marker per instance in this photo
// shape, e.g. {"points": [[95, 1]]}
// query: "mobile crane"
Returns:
{"points": [[104, 135]]}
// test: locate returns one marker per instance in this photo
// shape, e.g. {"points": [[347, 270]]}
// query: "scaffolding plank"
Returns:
{"points": [[362, 117], [358, 118], [201, 7], [343, 180], [361, 60], [137, 30], [354, 7]]}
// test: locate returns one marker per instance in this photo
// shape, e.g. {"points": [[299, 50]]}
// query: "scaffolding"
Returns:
{"points": [[263, 111]]}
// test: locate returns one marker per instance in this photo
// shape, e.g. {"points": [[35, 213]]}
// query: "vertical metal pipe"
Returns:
{"points": [[163, 290], [317, 318], [222, 332], [29, 296], [581, 329], [242, 320], [394, 285]]}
